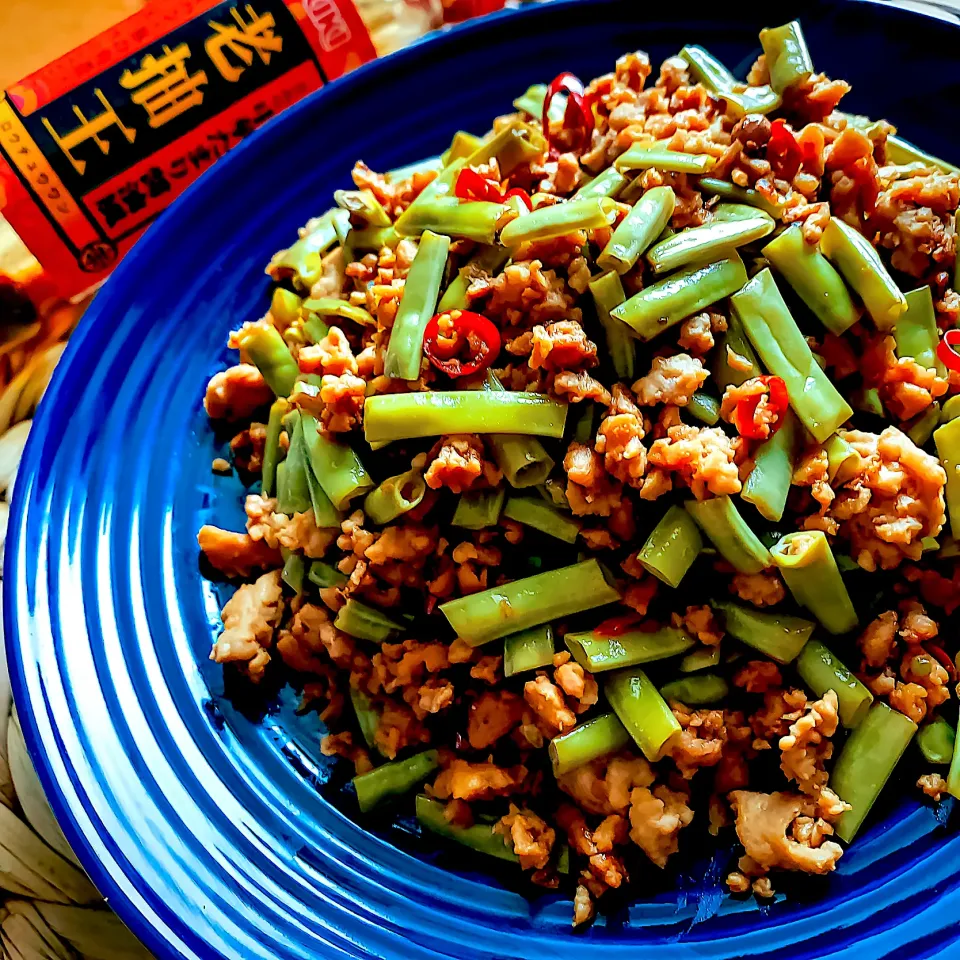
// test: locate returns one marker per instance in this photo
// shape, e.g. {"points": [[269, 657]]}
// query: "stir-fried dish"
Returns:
{"points": [[607, 474]]}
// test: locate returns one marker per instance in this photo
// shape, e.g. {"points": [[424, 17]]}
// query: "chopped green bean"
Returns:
{"points": [[487, 261], [867, 400], [480, 836], [365, 622], [293, 495], [788, 59], [447, 216], [583, 431], [516, 144], [557, 220], [523, 460], [371, 238], [284, 307], [395, 496], [776, 635], [542, 598], [696, 691], [866, 762], [335, 465], [920, 428], [768, 483], [646, 156], [528, 650], [936, 739], [479, 509], [587, 742], [671, 548], [843, 461], [950, 409], [916, 331], [807, 564], [332, 307], [324, 575], [703, 243], [393, 779], [900, 151], [668, 301], [747, 195], [598, 653], [640, 708], [785, 353], [553, 491], [608, 294], [733, 345], [700, 659], [705, 408], [821, 671], [403, 416], [720, 520], [638, 229], [294, 568], [271, 446], [947, 441], [729, 212], [533, 512], [739, 98], [362, 204], [368, 719], [262, 343], [462, 145], [302, 262], [606, 184]]}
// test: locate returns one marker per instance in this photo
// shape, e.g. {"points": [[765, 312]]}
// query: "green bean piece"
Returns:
{"points": [[262, 343], [363, 205], [950, 549], [867, 400], [516, 144], [393, 779], [587, 742], [788, 59], [860, 265], [720, 520], [936, 739], [733, 340], [325, 514], [531, 101], [395, 496], [843, 461], [488, 260], [542, 598], [900, 151], [921, 427], [817, 284], [335, 465], [368, 719], [866, 762], [418, 166], [606, 184], [370, 239], [365, 622], [479, 836], [557, 220], [700, 659], [950, 409], [776, 635], [671, 548], [696, 691], [417, 305], [325, 575], [809, 569], [640, 708], [704, 407], [523, 460], [284, 308], [608, 294], [583, 431], [271, 447], [332, 307], [730, 212], [747, 195], [528, 650], [462, 145], [666, 302], [533, 512], [638, 229], [598, 653], [302, 262], [479, 509], [707, 242], [404, 416], [642, 156], [554, 492], [821, 671], [785, 353], [293, 495], [947, 441], [449, 217], [740, 98], [769, 481], [314, 329], [916, 331], [294, 569], [440, 188]]}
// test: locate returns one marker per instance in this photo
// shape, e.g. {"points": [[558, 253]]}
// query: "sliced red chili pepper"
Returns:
{"points": [[460, 342], [947, 349], [578, 114], [616, 626], [783, 151], [471, 186], [777, 399], [522, 194]]}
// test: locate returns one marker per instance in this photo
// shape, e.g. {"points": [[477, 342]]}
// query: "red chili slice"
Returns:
{"points": [[578, 114], [777, 399], [947, 349], [471, 186], [783, 151], [460, 342], [522, 194], [616, 626]]}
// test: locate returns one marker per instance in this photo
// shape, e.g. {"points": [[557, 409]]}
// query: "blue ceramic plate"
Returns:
{"points": [[219, 834]]}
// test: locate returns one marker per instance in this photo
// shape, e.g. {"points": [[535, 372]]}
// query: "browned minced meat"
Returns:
{"points": [[458, 463], [672, 380], [250, 617], [619, 438], [236, 554], [561, 345], [704, 457], [478, 781], [525, 295], [236, 393], [590, 489]]}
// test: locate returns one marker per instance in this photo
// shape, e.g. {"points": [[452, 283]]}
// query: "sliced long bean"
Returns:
{"points": [[488, 260], [608, 294], [700, 659], [809, 569], [776, 635], [534, 512], [668, 301], [769, 481], [936, 739], [606, 184], [747, 195], [417, 305], [365, 622], [479, 509], [587, 742], [449, 217], [785, 353], [332, 307], [271, 446], [696, 691], [394, 779], [545, 597], [860, 265], [598, 653], [947, 441], [363, 205], [821, 671], [817, 284], [528, 650], [368, 719], [843, 461], [324, 575], [921, 427], [325, 514], [916, 331], [672, 546], [643, 156], [740, 98], [262, 343], [734, 359], [640, 708], [479, 836], [523, 460], [516, 144], [294, 570], [720, 520], [788, 59], [558, 219], [705, 408], [302, 262], [707, 242], [403, 416], [284, 307], [395, 496], [866, 761], [462, 145], [293, 495], [335, 465], [638, 229]]}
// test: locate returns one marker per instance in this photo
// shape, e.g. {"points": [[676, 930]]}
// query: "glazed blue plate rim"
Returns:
{"points": [[45, 748]]}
